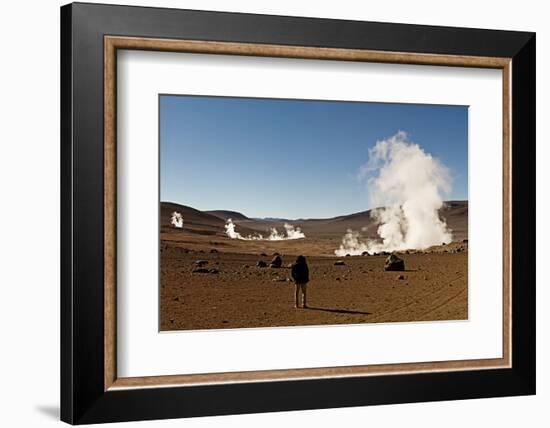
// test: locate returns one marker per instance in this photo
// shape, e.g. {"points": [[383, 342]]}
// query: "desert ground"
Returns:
{"points": [[210, 281]]}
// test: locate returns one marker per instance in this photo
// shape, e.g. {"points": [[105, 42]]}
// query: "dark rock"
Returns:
{"points": [[401, 277], [201, 263], [213, 250], [365, 253], [394, 263], [339, 263], [276, 254], [464, 241], [348, 255], [261, 264], [277, 262]]}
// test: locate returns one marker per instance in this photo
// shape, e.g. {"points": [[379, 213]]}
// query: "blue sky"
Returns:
{"points": [[292, 158]]}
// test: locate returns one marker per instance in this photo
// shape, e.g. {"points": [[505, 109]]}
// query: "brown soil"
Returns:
{"points": [[241, 295]]}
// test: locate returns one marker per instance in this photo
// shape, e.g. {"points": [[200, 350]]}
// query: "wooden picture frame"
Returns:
{"points": [[91, 390]]}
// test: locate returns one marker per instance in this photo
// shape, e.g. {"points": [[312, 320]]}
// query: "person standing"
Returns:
{"points": [[300, 275]]}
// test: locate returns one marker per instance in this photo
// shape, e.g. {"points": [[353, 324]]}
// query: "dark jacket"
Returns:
{"points": [[299, 271]]}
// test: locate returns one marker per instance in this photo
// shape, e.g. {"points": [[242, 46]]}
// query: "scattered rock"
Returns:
{"points": [[277, 262], [201, 263], [365, 253], [279, 279], [276, 254], [261, 264], [246, 266], [464, 241], [176, 299], [213, 270], [213, 250], [263, 254], [339, 263], [348, 255], [337, 279], [401, 277], [394, 263]]}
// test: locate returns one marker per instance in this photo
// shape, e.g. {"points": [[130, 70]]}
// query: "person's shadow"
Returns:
{"points": [[338, 311]]}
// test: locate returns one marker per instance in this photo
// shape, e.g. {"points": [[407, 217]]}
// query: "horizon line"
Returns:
{"points": [[291, 219]]}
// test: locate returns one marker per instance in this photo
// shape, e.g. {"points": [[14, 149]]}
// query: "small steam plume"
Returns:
{"points": [[177, 220], [291, 233], [408, 183], [233, 234]]}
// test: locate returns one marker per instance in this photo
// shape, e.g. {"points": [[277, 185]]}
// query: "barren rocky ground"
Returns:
{"points": [[230, 291]]}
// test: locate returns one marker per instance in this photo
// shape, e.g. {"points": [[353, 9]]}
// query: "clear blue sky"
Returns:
{"points": [[292, 158]]}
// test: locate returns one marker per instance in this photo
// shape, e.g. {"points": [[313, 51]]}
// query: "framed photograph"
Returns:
{"points": [[266, 213]]}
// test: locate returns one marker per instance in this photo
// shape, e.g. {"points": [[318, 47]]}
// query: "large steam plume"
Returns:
{"points": [[274, 235], [408, 184]]}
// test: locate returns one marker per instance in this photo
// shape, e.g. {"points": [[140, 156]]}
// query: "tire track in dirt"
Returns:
{"points": [[446, 301], [419, 297]]}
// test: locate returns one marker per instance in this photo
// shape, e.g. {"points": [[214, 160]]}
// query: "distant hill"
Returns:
{"points": [[270, 219], [455, 213], [225, 214], [201, 222]]}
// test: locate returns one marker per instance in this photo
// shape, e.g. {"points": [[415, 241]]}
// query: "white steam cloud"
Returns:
{"points": [[408, 183], [177, 220], [290, 233]]}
